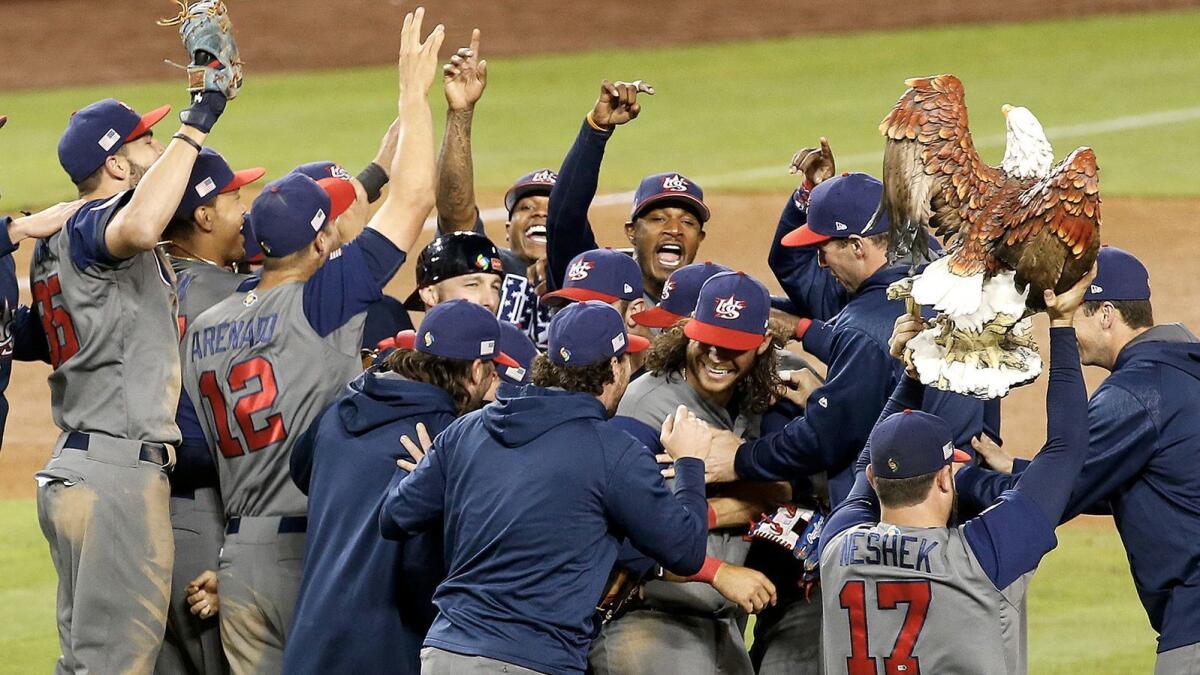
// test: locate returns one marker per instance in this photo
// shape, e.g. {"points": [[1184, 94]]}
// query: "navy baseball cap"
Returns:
{"points": [[662, 189], [291, 210], [211, 176], [98, 131], [600, 274], [679, 295], [590, 332], [1119, 276], [912, 443], [539, 182], [319, 170], [838, 208], [517, 346], [731, 312], [253, 254], [460, 330]]}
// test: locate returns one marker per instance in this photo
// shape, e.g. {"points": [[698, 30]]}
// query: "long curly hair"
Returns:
{"points": [[451, 375], [586, 380], [753, 393]]}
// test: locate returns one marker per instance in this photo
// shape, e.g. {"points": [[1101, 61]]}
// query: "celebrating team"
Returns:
{"points": [[554, 472]]}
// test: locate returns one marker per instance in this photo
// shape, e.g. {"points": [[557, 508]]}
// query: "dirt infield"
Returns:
{"points": [[42, 46], [30, 431]]}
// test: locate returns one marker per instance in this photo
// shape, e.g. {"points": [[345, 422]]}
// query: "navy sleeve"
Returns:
{"points": [[414, 501], [648, 435], [6, 244], [1010, 538], [814, 293], [966, 416], [677, 536], [301, 462], [86, 231], [862, 504], [350, 281], [29, 338], [818, 340], [568, 232], [837, 417]]}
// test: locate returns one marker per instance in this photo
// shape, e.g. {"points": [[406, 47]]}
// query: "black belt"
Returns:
{"points": [[149, 452], [287, 525]]}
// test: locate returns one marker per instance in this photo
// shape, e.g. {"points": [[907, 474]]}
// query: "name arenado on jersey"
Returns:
{"points": [[235, 334]]}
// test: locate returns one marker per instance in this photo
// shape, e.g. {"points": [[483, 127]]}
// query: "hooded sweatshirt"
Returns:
{"points": [[535, 492], [1144, 431], [365, 602]]}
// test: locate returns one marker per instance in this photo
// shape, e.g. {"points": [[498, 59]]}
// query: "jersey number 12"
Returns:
{"points": [[889, 594], [244, 408]]}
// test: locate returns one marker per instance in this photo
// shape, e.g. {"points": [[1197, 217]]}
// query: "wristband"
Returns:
{"points": [[189, 140], [592, 123], [708, 571], [802, 327], [712, 517], [373, 177], [206, 107]]}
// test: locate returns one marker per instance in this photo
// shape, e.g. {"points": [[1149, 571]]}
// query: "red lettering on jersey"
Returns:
{"points": [[56, 322], [245, 406], [889, 594]]}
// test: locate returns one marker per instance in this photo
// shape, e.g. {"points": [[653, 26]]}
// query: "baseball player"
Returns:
{"points": [[526, 202], [529, 492], [903, 585], [203, 240], [666, 224], [720, 365], [262, 364], [344, 464], [108, 307], [517, 345], [1143, 434], [458, 265], [385, 317], [21, 336]]}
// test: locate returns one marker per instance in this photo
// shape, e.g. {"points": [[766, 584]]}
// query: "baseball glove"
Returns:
{"points": [[207, 35], [798, 531], [622, 588]]}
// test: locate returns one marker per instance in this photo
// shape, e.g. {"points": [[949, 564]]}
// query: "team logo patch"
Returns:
{"points": [[840, 226], [823, 402], [109, 139], [487, 347], [1095, 289], [579, 271], [318, 220], [497, 266], [544, 177], [250, 299], [618, 342], [337, 171], [564, 354], [729, 308], [206, 187], [429, 339], [675, 183], [893, 465], [482, 262], [515, 373], [627, 288], [947, 450], [667, 288]]}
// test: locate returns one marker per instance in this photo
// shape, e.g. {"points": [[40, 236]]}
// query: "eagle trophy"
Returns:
{"points": [[1009, 233]]}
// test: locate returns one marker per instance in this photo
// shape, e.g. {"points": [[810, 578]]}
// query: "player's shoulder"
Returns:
{"points": [[652, 393]]}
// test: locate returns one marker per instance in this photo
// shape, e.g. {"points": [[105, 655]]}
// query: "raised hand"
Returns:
{"points": [[815, 164], [995, 456], [465, 77], [418, 60], [1062, 308], [749, 589], [906, 328], [618, 102], [417, 452], [685, 435]]}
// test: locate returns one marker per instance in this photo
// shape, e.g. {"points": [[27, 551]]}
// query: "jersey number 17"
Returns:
{"points": [[889, 594]]}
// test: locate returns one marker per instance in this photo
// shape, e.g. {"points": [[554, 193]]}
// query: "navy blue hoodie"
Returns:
{"points": [[365, 602], [535, 492], [1144, 429]]}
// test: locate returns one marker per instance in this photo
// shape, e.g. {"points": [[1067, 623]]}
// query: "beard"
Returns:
{"points": [[136, 171]]}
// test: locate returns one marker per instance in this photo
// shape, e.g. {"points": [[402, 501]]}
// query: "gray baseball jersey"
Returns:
{"points": [[909, 599], [259, 374], [201, 285], [650, 399], [112, 331]]}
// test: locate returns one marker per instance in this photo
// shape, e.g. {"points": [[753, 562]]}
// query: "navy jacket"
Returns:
{"points": [[21, 335], [840, 414], [365, 602], [568, 232], [1144, 442], [536, 492]]}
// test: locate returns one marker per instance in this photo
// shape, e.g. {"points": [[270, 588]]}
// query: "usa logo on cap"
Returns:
{"points": [[729, 308], [667, 288], [548, 177], [675, 183], [579, 270]]}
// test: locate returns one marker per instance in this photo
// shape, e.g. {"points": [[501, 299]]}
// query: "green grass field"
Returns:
{"points": [[729, 115], [721, 111]]}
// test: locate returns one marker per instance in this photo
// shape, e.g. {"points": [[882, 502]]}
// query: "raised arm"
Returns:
{"points": [[403, 212], [465, 78], [568, 231]]}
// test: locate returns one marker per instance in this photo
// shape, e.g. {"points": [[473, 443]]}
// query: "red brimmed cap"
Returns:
{"points": [[679, 295], [912, 443], [669, 187], [148, 120], [839, 207], [292, 209], [212, 176], [656, 317], [98, 131], [731, 312], [600, 274], [459, 330]]}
